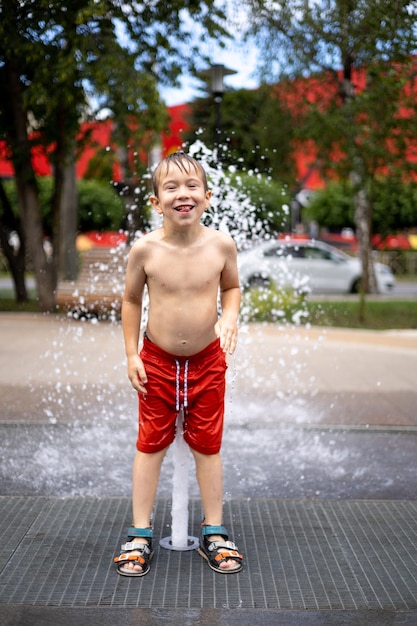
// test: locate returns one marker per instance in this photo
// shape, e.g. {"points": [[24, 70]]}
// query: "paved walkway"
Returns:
{"points": [[320, 464]]}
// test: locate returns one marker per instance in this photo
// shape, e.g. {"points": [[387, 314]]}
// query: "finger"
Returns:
{"points": [[224, 340], [227, 342], [232, 344], [137, 383], [138, 387]]}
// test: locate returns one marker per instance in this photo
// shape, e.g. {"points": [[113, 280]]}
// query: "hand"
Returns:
{"points": [[136, 374], [227, 332]]}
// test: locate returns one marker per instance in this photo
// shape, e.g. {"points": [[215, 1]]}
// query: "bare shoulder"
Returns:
{"points": [[220, 239], [142, 245]]}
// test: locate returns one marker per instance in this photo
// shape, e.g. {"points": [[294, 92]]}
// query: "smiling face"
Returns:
{"points": [[181, 192]]}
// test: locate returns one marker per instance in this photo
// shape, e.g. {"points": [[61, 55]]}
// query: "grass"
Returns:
{"points": [[8, 302], [379, 315], [9, 305], [260, 305]]}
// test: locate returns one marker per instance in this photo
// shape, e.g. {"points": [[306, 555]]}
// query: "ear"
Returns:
{"points": [[209, 194], [155, 203]]}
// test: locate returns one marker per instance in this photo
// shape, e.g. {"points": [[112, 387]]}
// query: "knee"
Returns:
{"points": [[205, 459], [150, 457]]}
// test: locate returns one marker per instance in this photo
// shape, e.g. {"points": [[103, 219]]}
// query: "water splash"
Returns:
{"points": [[88, 420], [231, 208]]}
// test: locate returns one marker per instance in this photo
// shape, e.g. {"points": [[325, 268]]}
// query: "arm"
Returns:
{"points": [[226, 327], [131, 318]]}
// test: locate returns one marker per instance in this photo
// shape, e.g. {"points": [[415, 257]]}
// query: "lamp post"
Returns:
{"points": [[215, 75]]}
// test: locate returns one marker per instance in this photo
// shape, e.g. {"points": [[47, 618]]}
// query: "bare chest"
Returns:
{"points": [[184, 270]]}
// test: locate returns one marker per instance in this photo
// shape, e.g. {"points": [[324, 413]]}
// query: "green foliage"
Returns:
{"points": [[100, 166], [67, 52], [60, 59], [350, 76], [270, 304], [270, 198], [100, 207], [394, 204], [332, 207], [258, 138]]}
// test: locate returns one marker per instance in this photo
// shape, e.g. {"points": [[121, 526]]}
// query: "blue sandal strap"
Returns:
{"points": [[214, 530], [145, 533]]}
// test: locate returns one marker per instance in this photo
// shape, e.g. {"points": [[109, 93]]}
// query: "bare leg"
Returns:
{"points": [[146, 470], [209, 470]]}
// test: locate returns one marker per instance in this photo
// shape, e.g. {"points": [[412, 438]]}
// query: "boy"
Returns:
{"points": [[182, 363]]}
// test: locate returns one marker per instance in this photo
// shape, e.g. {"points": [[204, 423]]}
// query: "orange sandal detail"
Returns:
{"points": [[217, 552], [136, 552]]}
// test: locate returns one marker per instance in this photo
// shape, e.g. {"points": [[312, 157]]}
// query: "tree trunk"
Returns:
{"points": [[362, 225], [65, 202], [363, 234], [362, 207], [15, 259], [43, 270], [68, 225], [28, 193]]}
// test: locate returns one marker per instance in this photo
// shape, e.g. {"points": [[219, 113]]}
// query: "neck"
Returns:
{"points": [[183, 235]]}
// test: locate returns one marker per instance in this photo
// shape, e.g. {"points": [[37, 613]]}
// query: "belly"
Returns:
{"points": [[182, 332]]}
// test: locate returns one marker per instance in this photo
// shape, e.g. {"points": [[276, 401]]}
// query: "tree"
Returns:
{"points": [[257, 139], [16, 123], [99, 208], [358, 57], [394, 205], [54, 57]]}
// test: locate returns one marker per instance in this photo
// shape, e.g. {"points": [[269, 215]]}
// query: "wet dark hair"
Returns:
{"points": [[184, 162]]}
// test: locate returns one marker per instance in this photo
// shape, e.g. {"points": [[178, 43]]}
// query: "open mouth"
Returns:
{"points": [[184, 208]]}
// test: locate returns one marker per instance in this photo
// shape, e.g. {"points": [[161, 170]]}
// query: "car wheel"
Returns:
{"points": [[259, 281], [357, 286]]}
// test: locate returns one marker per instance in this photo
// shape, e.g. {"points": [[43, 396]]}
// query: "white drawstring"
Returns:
{"points": [[177, 385], [186, 384]]}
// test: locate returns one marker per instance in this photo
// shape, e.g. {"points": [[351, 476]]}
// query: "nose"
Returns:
{"points": [[183, 191]]}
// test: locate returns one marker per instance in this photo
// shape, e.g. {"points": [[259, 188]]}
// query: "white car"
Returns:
{"points": [[310, 266]]}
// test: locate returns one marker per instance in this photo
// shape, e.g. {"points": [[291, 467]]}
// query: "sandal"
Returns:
{"points": [[143, 552], [216, 552]]}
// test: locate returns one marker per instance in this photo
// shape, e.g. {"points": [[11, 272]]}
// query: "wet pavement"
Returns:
{"points": [[320, 456]]}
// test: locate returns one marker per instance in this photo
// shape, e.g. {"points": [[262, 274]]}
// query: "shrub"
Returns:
{"points": [[270, 304], [100, 207]]}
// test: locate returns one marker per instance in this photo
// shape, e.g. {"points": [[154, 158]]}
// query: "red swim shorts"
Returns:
{"points": [[195, 384]]}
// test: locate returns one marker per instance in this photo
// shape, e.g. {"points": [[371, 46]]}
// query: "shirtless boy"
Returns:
{"points": [[182, 363]]}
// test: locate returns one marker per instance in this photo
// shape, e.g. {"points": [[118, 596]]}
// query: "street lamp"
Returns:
{"points": [[215, 74]]}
